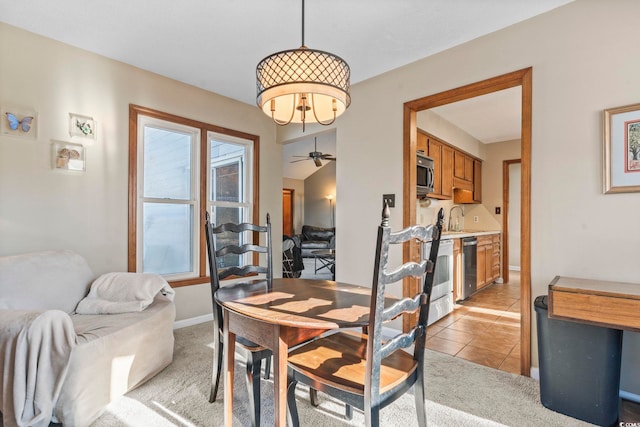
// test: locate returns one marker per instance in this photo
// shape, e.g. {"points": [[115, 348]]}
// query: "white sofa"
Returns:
{"points": [[61, 366]]}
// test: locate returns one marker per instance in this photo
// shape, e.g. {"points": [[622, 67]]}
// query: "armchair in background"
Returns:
{"points": [[316, 238]]}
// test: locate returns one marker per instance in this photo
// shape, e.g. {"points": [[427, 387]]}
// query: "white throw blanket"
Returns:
{"points": [[114, 293], [37, 347]]}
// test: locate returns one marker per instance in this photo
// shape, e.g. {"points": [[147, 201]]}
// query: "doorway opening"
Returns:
{"points": [[522, 78]]}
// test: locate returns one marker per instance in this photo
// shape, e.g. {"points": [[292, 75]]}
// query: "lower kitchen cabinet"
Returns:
{"points": [[488, 259]]}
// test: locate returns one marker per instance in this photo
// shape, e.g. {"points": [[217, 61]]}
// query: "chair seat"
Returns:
{"points": [[339, 361]]}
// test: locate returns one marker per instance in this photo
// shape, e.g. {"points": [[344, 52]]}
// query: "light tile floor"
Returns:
{"points": [[484, 329]]}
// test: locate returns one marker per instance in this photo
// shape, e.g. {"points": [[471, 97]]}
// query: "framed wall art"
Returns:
{"points": [[21, 123], [68, 156], [82, 126], [621, 149]]}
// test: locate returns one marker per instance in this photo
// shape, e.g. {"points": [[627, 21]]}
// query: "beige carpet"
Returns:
{"points": [[459, 393]]}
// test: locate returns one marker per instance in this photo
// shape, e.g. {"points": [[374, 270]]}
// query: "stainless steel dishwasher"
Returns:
{"points": [[469, 266]]}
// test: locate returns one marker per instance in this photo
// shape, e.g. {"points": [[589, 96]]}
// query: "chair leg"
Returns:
{"points": [[253, 387], [348, 412], [421, 409], [267, 368], [292, 409], [313, 397], [215, 374], [372, 418]]}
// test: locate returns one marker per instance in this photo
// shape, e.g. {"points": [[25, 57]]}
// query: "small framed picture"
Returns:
{"points": [[621, 149], [82, 126], [68, 156], [21, 123]]}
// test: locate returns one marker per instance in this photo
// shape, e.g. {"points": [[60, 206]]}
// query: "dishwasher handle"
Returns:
{"points": [[470, 242]]}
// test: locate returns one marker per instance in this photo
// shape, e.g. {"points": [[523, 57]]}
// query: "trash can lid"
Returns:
{"points": [[541, 302]]}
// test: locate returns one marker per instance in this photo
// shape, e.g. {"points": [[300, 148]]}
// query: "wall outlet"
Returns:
{"points": [[390, 199], [476, 218]]}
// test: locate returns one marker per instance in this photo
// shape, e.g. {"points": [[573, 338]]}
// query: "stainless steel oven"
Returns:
{"points": [[442, 291]]}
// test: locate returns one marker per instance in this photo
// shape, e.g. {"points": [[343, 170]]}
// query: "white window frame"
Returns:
{"points": [[246, 171], [193, 200], [200, 176]]}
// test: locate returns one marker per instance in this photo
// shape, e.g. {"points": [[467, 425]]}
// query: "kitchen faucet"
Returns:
{"points": [[451, 211]]}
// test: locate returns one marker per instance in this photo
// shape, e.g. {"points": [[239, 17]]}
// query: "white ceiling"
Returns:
{"points": [[216, 44], [494, 117]]}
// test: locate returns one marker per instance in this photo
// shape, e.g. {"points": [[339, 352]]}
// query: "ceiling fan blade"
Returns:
{"points": [[317, 162], [326, 156], [333, 159], [300, 160]]}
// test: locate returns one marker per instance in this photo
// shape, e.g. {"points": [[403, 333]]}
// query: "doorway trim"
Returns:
{"points": [[411, 252], [292, 213], [505, 216]]}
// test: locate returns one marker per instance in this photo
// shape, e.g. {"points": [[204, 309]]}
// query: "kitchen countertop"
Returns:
{"points": [[467, 233]]}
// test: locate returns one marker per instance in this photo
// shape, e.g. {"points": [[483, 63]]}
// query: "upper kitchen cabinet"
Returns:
{"points": [[462, 171], [453, 169], [442, 155]]}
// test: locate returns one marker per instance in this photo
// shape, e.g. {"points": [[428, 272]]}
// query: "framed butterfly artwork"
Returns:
{"points": [[68, 156], [18, 122], [82, 126]]}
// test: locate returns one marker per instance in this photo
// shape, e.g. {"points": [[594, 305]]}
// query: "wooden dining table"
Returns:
{"points": [[281, 315]]}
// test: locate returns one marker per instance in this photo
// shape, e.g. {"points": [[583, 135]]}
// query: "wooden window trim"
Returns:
{"points": [[134, 112]]}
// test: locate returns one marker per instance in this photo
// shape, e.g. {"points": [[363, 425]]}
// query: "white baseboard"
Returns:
{"points": [[535, 373], [192, 321], [514, 267], [630, 396]]}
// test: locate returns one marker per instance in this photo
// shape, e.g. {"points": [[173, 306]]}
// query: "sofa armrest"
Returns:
{"points": [[310, 232]]}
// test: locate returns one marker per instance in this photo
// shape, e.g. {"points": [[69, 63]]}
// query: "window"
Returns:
{"points": [[178, 169]]}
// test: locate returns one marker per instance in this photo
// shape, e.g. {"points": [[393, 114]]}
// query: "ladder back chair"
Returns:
{"points": [[363, 370], [227, 244]]}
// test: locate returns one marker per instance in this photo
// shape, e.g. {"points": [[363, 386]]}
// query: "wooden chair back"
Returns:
{"points": [[377, 350], [247, 236]]}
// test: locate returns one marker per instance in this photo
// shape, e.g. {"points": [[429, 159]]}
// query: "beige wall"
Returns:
{"points": [[42, 209], [495, 154], [317, 186], [581, 65]]}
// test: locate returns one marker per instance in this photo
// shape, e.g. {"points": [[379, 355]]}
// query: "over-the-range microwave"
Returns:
{"points": [[424, 176]]}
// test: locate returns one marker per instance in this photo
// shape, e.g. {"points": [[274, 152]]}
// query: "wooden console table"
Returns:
{"points": [[613, 305]]}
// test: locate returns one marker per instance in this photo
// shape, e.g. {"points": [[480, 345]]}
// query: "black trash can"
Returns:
{"points": [[579, 367]]}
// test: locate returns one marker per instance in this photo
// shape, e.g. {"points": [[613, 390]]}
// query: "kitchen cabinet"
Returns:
{"points": [[488, 259], [495, 270], [477, 181], [452, 168], [447, 171], [442, 156], [421, 143], [435, 152], [484, 245]]}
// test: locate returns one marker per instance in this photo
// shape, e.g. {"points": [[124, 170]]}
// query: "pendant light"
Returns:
{"points": [[303, 85]]}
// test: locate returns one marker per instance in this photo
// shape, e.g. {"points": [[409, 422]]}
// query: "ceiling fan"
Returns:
{"points": [[316, 156]]}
